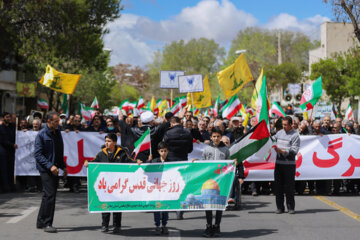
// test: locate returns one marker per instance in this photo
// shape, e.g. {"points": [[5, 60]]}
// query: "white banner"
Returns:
{"points": [[78, 147], [169, 79], [327, 157], [191, 83]]}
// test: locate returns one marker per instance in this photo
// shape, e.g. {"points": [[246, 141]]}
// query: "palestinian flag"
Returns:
{"points": [[143, 143], [217, 107], [42, 103], [141, 103], [311, 95], [85, 112], [349, 113], [231, 108], [250, 143], [277, 110], [95, 103]]}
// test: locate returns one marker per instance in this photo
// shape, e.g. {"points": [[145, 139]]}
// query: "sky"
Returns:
{"points": [[146, 26]]}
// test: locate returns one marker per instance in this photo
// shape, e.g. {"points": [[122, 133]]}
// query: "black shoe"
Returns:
{"points": [[164, 230], [208, 231], [279, 211], [116, 230], [104, 229], [216, 231], [50, 229], [39, 226], [157, 231], [179, 215]]}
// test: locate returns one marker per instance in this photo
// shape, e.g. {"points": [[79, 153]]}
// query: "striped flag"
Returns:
{"points": [[311, 95], [65, 104], [231, 108], [262, 108], [143, 143], [141, 103], [42, 103], [250, 143], [175, 109], [156, 109], [277, 110], [95, 103], [217, 107], [349, 113], [85, 112]]}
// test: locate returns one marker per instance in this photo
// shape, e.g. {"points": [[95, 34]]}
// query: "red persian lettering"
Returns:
{"points": [[82, 159], [328, 163], [355, 162]]}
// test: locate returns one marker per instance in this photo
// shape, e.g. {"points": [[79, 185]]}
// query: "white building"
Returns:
{"points": [[7, 91]]}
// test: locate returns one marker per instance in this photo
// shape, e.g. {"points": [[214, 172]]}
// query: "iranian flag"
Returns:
{"points": [[95, 103], [183, 101], [175, 109], [156, 109], [42, 103], [85, 112], [311, 95], [141, 103], [251, 142], [143, 143], [349, 113], [65, 104], [231, 108], [217, 107], [277, 110], [127, 106]]}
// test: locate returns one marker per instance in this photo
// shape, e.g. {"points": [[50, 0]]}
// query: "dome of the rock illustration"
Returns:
{"points": [[210, 185]]}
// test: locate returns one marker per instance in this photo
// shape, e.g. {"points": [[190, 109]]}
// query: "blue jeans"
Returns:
{"points": [[164, 216]]}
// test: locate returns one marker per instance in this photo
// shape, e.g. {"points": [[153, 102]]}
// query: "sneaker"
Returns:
{"points": [[50, 229], [279, 211], [104, 229], [116, 230], [291, 211], [216, 231], [208, 231], [164, 230], [157, 231]]}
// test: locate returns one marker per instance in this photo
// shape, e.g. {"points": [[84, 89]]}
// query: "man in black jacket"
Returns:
{"points": [[49, 156], [179, 140]]}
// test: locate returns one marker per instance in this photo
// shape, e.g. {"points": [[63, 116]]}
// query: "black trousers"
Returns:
{"points": [[209, 216], [47, 207], [284, 176], [116, 219]]}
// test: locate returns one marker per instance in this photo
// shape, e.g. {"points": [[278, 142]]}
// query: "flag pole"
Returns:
{"points": [[150, 144], [192, 102], [171, 97]]}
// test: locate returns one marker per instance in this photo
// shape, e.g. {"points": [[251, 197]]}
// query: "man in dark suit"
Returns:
{"points": [[49, 155]]}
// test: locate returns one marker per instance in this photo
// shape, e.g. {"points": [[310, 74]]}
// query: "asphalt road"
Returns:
{"points": [[315, 218]]}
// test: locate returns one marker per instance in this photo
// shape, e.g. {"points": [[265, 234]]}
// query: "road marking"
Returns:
{"points": [[174, 235], [342, 209], [23, 215]]}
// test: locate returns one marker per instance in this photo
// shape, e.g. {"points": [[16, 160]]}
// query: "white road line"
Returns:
{"points": [[174, 235], [23, 215]]}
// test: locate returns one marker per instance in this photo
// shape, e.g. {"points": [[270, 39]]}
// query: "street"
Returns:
{"points": [[315, 218]]}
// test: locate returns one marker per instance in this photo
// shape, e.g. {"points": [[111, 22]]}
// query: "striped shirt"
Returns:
{"points": [[290, 142]]}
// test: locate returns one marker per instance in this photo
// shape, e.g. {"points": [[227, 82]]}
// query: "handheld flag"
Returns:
{"points": [[143, 143], [65, 104], [262, 108], [234, 77], [231, 108], [42, 103], [311, 95], [217, 107], [257, 89], [250, 143], [58, 81], [85, 112], [152, 104], [349, 113], [203, 99], [95, 103], [141, 103], [277, 110]]}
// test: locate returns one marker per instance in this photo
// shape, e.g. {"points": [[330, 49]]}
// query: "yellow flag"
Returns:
{"points": [[188, 101], [25, 89], [234, 77], [58, 81], [257, 89], [163, 107], [244, 115], [203, 99], [152, 104]]}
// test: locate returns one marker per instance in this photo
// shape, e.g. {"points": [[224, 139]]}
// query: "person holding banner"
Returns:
{"points": [[113, 154], [287, 146], [217, 150], [49, 156]]}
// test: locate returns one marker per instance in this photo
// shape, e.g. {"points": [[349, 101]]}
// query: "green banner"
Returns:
{"points": [[202, 185]]}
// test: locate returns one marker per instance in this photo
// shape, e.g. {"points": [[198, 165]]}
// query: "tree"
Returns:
{"points": [[347, 11], [281, 75], [334, 76], [200, 56]]}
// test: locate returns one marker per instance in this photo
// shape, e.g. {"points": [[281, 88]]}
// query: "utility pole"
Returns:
{"points": [[279, 48]]}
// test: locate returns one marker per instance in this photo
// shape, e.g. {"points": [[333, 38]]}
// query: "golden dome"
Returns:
{"points": [[210, 184]]}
